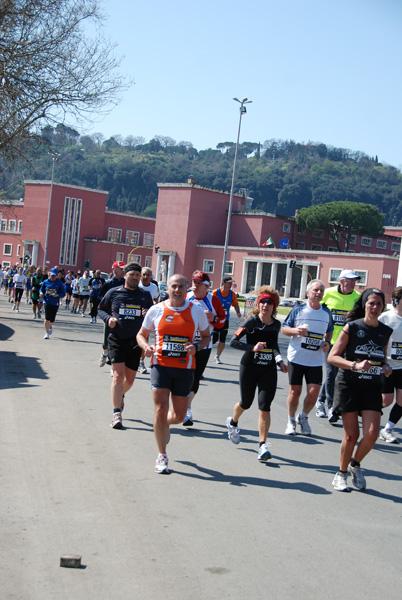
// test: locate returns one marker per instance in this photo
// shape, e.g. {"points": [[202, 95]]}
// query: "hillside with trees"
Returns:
{"points": [[282, 176]]}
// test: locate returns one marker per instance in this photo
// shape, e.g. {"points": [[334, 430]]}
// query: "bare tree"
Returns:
{"points": [[51, 71]]}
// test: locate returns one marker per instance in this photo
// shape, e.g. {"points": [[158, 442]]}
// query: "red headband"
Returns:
{"points": [[270, 296]]}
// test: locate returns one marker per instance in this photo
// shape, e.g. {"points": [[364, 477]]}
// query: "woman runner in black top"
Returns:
{"points": [[360, 352], [258, 366]]}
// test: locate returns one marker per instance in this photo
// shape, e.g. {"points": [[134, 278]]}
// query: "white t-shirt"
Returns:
{"points": [[394, 350], [306, 350], [20, 281], [151, 289]]}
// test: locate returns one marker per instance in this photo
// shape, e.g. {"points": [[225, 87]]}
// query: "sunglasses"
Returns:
{"points": [[266, 301]]}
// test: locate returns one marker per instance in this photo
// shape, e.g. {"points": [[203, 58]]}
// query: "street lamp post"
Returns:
{"points": [[225, 251]]}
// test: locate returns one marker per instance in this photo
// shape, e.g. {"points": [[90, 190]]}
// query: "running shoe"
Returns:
{"points": [[39, 314], [117, 422], [188, 419], [320, 409], [46, 336], [357, 477], [51, 331], [13, 307], [340, 482], [17, 309], [102, 360], [290, 428], [332, 417], [217, 360], [143, 370], [161, 465], [233, 432], [263, 453], [34, 316], [388, 436], [304, 426]]}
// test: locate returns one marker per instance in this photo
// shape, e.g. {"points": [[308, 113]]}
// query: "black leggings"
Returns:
{"points": [[18, 294], [265, 378], [201, 360]]}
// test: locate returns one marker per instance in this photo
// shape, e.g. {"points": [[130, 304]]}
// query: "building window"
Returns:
{"points": [[366, 241], [209, 266], [148, 261], [120, 256], [300, 245], [381, 244], [12, 225], [133, 238], [286, 228], [114, 235], [334, 275], [363, 277], [6, 264], [301, 230], [19, 226], [334, 235], [318, 233], [19, 250], [395, 247], [229, 268], [148, 239], [352, 240], [134, 258], [7, 249], [332, 249], [3, 225], [316, 247]]}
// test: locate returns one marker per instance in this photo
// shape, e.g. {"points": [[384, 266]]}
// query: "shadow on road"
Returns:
{"points": [[15, 370]]}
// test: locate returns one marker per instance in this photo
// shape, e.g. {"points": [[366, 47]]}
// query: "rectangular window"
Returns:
{"points": [[133, 238], [366, 241], [19, 226], [334, 235], [381, 244], [318, 233], [316, 247], [12, 225], [134, 258], [19, 250], [286, 228], [209, 266], [334, 275], [363, 277], [332, 249], [301, 230], [3, 226], [352, 240], [148, 239], [6, 264], [114, 235], [148, 261], [229, 268], [120, 256], [7, 249], [395, 246], [300, 245]]}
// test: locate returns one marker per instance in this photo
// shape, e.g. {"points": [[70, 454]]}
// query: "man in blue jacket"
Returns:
{"points": [[51, 291]]}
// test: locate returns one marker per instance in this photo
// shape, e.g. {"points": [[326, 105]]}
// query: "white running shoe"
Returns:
{"points": [[388, 436], [217, 360], [188, 419], [340, 482], [51, 331], [304, 426], [357, 477], [320, 410], [143, 370], [117, 422], [290, 428], [46, 336], [161, 465], [34, 316], [233, 432], [102, 360], [263, 453]]}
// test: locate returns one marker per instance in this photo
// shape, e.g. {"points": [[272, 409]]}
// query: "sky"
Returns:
{"points": [[316, 70]]}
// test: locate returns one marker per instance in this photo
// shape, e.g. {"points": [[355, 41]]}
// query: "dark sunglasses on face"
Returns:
{"points": [[266, 301]]}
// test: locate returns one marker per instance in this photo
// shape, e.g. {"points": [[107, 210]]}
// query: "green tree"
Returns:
{"points": [[343, 219]]}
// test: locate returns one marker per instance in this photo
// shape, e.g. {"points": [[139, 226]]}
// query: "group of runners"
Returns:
{"points": [[349, 333]]}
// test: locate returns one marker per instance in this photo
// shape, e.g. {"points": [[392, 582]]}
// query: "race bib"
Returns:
{"points": [[264, 357], [174, 346], [338, 317], [396, 351], [130, 311], [312, 341]]}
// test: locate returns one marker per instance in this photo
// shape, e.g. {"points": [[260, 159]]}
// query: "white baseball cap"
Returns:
{"points": [[348, 274]]}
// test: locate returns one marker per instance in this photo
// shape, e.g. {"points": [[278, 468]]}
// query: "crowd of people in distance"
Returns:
{"points": [[350, 334]]}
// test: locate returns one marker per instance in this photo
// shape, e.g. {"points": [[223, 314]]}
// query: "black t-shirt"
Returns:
{"points": [[366, 343], [255, 331], [125, 305]]}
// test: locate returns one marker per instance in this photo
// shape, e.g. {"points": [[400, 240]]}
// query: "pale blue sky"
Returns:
{"points": [[319, 70]]}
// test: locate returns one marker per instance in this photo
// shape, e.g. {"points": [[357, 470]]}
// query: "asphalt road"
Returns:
{"points": [[221, 525]]}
